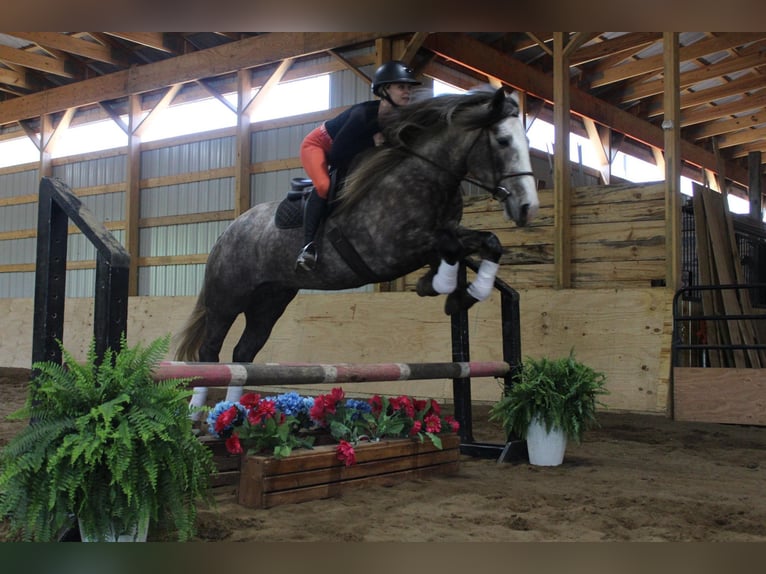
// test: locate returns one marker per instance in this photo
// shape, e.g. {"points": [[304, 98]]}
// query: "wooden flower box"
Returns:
{"points": [[317, 473]]}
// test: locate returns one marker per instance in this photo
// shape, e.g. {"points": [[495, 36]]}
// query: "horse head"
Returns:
{"points": [[499, 160]]}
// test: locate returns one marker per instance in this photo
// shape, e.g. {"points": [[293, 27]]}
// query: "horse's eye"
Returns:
{"points": [[504, 142]]}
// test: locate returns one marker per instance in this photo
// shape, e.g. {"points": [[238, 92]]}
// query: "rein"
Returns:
{"points": [[498, 192]]}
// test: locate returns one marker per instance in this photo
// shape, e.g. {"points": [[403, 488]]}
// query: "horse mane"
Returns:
{"points": [[407, 126]]}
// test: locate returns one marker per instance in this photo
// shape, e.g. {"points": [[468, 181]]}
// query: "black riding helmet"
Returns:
{"points": [[393, 72]]}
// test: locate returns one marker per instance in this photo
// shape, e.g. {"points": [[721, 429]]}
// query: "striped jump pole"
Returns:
{"points": [[262, 374]]}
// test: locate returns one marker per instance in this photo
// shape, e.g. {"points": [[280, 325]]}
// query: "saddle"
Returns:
{"points": [[290, 211]]}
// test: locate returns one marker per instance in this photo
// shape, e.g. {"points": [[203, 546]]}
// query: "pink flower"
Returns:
{"points": [[435, 408], [454, 425], [416, 427], [433, 423], [233, 445], [419, 404], [346, 453]]}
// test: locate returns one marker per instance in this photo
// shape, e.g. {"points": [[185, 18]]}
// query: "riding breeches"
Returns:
{"points": [[314, 149]]}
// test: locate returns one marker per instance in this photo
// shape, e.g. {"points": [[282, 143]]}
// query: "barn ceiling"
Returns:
{"points": [[616, 77]]}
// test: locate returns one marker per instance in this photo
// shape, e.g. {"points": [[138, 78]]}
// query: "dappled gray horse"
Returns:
{"points": [[399, 210]]}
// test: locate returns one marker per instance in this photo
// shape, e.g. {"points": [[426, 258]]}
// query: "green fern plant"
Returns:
{"points": [[562, 392], [106, 444]]}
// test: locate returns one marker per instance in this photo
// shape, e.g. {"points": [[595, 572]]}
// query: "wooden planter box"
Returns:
{"points": [[317, 473]]}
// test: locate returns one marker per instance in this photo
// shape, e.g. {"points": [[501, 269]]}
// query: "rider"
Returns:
{"points": [[338, 141]]}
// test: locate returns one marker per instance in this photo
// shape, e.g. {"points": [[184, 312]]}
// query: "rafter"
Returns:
{"points": [[35, 61], [154, 40], [627, 42], [739, 86], [66, 43], [708, 113]]}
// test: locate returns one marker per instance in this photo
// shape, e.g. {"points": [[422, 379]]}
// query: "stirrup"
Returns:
{"points": [[307, 258]]}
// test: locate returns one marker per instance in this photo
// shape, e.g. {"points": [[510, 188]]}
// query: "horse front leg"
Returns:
{"points": [[441, 279], [488, 246]]}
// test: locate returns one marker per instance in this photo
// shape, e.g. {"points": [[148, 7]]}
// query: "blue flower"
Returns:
{"points": [[358, 407], [216, 412], [290, 403]]}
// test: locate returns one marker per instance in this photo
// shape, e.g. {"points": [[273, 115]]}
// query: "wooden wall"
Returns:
{"points": [[624, 332]]}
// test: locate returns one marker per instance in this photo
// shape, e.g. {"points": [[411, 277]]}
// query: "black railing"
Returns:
{"points": [[461, 388], [57, 206]]}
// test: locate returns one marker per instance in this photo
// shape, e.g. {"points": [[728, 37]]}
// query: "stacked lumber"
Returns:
{"points": [[719, 264]]}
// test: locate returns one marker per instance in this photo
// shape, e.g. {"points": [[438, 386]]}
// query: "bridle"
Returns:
{"points": [[498, 192]]}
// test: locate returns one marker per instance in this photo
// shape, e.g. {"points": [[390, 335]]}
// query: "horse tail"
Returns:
{"points": [[189, 339]]}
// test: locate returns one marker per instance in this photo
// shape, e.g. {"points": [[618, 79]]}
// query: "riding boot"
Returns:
{"points": [[316, 207]]}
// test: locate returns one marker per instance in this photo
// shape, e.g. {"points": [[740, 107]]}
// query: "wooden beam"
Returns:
{"points": [[597, 141], [267, 87], [49, 144], [626, 42], [642, 90], [481, 59], [133, 190], [672, 131], [415, 43], [655, 63], [736, 87], [723, 126], [251, 52], [243, 144], [165, 101], [217, 95], [755, 189], [350, 66], [708, 113], [36, 62], [741, 137], [155, 40], [67, 43], [115, 116], [562, 179]]}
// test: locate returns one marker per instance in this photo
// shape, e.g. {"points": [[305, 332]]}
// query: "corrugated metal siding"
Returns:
{"points": [[188, 157], [19, 183], [18, 251], [106, 206], [179, 239], [279, 143], [171, 280], [18, 217], [185, 198], [17, 285], [273, 185], [80, 283], [94, 172]]}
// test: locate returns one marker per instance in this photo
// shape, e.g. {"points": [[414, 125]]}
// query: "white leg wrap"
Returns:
{"points": [[198, 399], [445, 280], [481, 287], [233, 393]]}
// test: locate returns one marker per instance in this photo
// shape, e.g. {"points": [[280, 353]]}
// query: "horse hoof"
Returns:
{"points": [[425, 288], [459, 301]]}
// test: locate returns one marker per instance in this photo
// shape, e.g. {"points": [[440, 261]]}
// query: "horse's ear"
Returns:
{"points": [[497, 105]]}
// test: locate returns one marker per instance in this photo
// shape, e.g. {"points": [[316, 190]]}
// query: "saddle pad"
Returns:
{"points": [[289, 213]]}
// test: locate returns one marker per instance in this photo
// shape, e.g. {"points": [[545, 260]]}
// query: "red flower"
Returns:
{"points": [[419, 404], [233, 445], [433, 423], [226, 418], [377, 404], [249, 400], [346, 453], [454, 425], [435, 408], [266, 410], [402, 403], [416, 427], [317, 411]]}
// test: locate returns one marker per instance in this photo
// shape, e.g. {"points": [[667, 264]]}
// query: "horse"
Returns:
{"points": [[399, 210]]}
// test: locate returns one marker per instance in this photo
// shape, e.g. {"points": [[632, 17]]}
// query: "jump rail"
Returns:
{"points": [[263, 374]]}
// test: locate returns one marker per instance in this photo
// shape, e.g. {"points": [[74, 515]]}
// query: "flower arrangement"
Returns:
{"points": [[279, 423]]}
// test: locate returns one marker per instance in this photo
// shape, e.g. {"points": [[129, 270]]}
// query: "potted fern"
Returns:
{"points": [[106, 445], [554, 400]]}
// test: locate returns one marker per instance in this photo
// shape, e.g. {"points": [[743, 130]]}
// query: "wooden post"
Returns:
{"points": [[243, 143], [133, 190], [672, 129], [562, 251], [755, 188]]}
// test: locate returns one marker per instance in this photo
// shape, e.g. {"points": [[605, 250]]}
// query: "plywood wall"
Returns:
{"points": [[624, 332]]}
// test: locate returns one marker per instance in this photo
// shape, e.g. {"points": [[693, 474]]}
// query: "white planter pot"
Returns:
{"points": [[138, 534], [545, 448]]}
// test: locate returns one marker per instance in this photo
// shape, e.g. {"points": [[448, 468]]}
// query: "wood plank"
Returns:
{"points": [[731, 396]]}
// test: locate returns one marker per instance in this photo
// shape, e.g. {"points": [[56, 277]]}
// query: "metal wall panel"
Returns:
{"points": [[18, 217], [188, 157], [193, 197], [170, 280], [272, 186], [19, 183], [93, 172], [17, 285], [18, 251], [187, 239]]}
